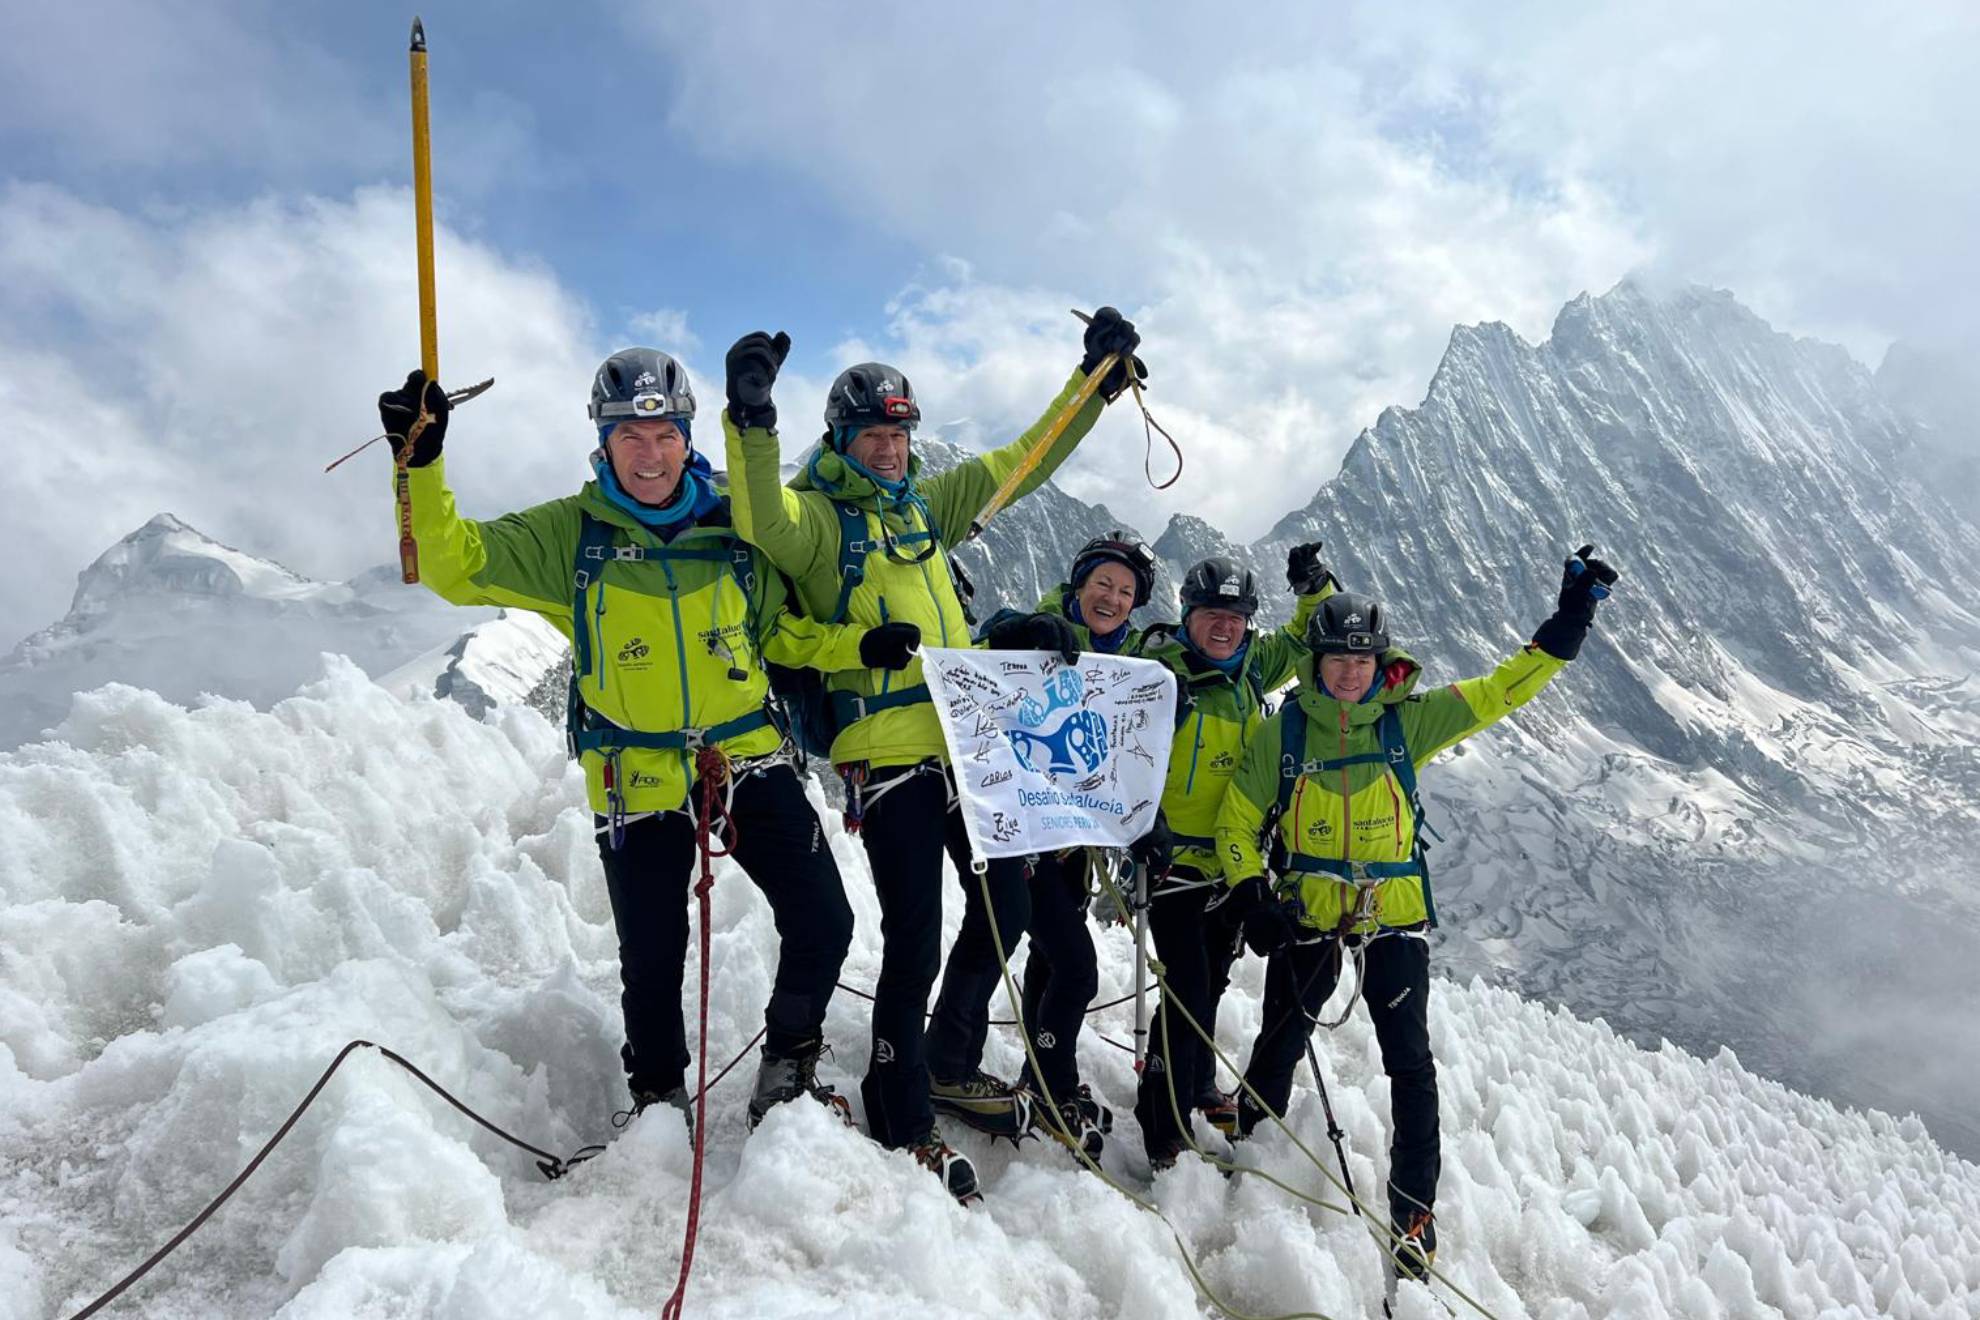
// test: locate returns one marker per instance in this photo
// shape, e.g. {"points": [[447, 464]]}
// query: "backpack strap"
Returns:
{"points": [[855, 545], [583, 730], [593, 548], [1394, 756], [1395, 747]]}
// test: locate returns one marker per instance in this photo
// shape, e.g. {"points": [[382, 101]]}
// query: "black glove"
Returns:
{"points": [[1153, 849], [398, 412], [1305, 574], [1272, 927], [1224, 912], [1110, 332], [1036, 632], [889, 646], [1585, 580], [752, 365]]}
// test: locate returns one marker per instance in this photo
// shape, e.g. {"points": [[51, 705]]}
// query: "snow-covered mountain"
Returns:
{"points": [[1750, 813], [199, 908], [176, 612], [1939, 387]]}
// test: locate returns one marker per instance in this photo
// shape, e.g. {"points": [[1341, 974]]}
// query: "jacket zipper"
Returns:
{"points": [[1195, 750], [680, 639]]}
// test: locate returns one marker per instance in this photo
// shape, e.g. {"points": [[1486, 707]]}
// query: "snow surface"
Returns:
{"points": [[199, 907]]}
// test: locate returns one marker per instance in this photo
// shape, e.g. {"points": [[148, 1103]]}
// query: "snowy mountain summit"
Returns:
{"points": [[1747, 814], [167, 557], [175, 611]]}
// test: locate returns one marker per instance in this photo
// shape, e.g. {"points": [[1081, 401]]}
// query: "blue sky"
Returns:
{"points": [[205, 205]]}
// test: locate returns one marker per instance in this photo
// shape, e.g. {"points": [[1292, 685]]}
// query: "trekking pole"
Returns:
{"points": [[1053, 430], [1334, 1132], [1140, 967]]}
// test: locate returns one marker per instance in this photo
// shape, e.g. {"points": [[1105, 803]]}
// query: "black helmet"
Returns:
{"points": [[1348, 625], [871, 394], [1221, 584], [637, 383], [1118, 548]]}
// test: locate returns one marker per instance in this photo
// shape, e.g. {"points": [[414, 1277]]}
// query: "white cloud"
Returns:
{"points": [[665, 328], [211, 364], [1298, 202]]}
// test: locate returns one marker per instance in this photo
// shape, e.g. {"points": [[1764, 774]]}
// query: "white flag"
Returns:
{"points": [[1049, 755]]}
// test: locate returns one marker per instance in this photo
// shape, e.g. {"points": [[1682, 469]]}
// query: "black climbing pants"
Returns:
{"points": [[906, 829], [1062, 973], [781, 846], [1197, 946], [1396, 989]]}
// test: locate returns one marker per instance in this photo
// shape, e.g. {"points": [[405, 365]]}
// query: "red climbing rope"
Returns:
{"points": [[715, 836]]}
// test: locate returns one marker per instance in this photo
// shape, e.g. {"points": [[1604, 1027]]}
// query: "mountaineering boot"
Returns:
{"points": [[947, 1163], [1072, 1128], [1414, 1249], [1220, 1111], [1092, 1110], [1165, 1155], [643, 1100], [985, 1103], [781, 1078]]}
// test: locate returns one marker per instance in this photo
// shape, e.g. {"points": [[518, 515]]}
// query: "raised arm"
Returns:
{"points": [[1280, 651], [792, 530], [1439, 719], [957, 496], [521, 559]]}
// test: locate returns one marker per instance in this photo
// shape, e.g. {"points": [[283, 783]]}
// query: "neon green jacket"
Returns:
{"points": [[1219, 715], [798, 528], [1359, 813], [661, 632]]}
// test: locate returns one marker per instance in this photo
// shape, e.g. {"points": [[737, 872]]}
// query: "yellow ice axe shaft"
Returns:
{"points": [[1008, 491], [429, 331], [429, 328]]}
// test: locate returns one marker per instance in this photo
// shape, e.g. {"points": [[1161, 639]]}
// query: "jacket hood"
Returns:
{"points": [[1399, 669]]}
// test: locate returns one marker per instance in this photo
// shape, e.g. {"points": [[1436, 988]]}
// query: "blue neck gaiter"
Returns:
{"points": [[1230, 666], [898, 493], [694, 499]]}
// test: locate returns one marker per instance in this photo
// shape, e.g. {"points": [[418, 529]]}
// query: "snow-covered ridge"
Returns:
{"points": [[197, 908], [175, 611], [168, 556]]}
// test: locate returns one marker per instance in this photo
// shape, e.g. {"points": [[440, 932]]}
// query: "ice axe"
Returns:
{"points": [[1053, 430], [429, 330], [1008, 491]]}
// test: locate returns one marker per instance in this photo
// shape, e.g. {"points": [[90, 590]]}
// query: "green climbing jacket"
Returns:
{"points": [[1217, 715], [1360, 813], [664, 635], [799, 529]]}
